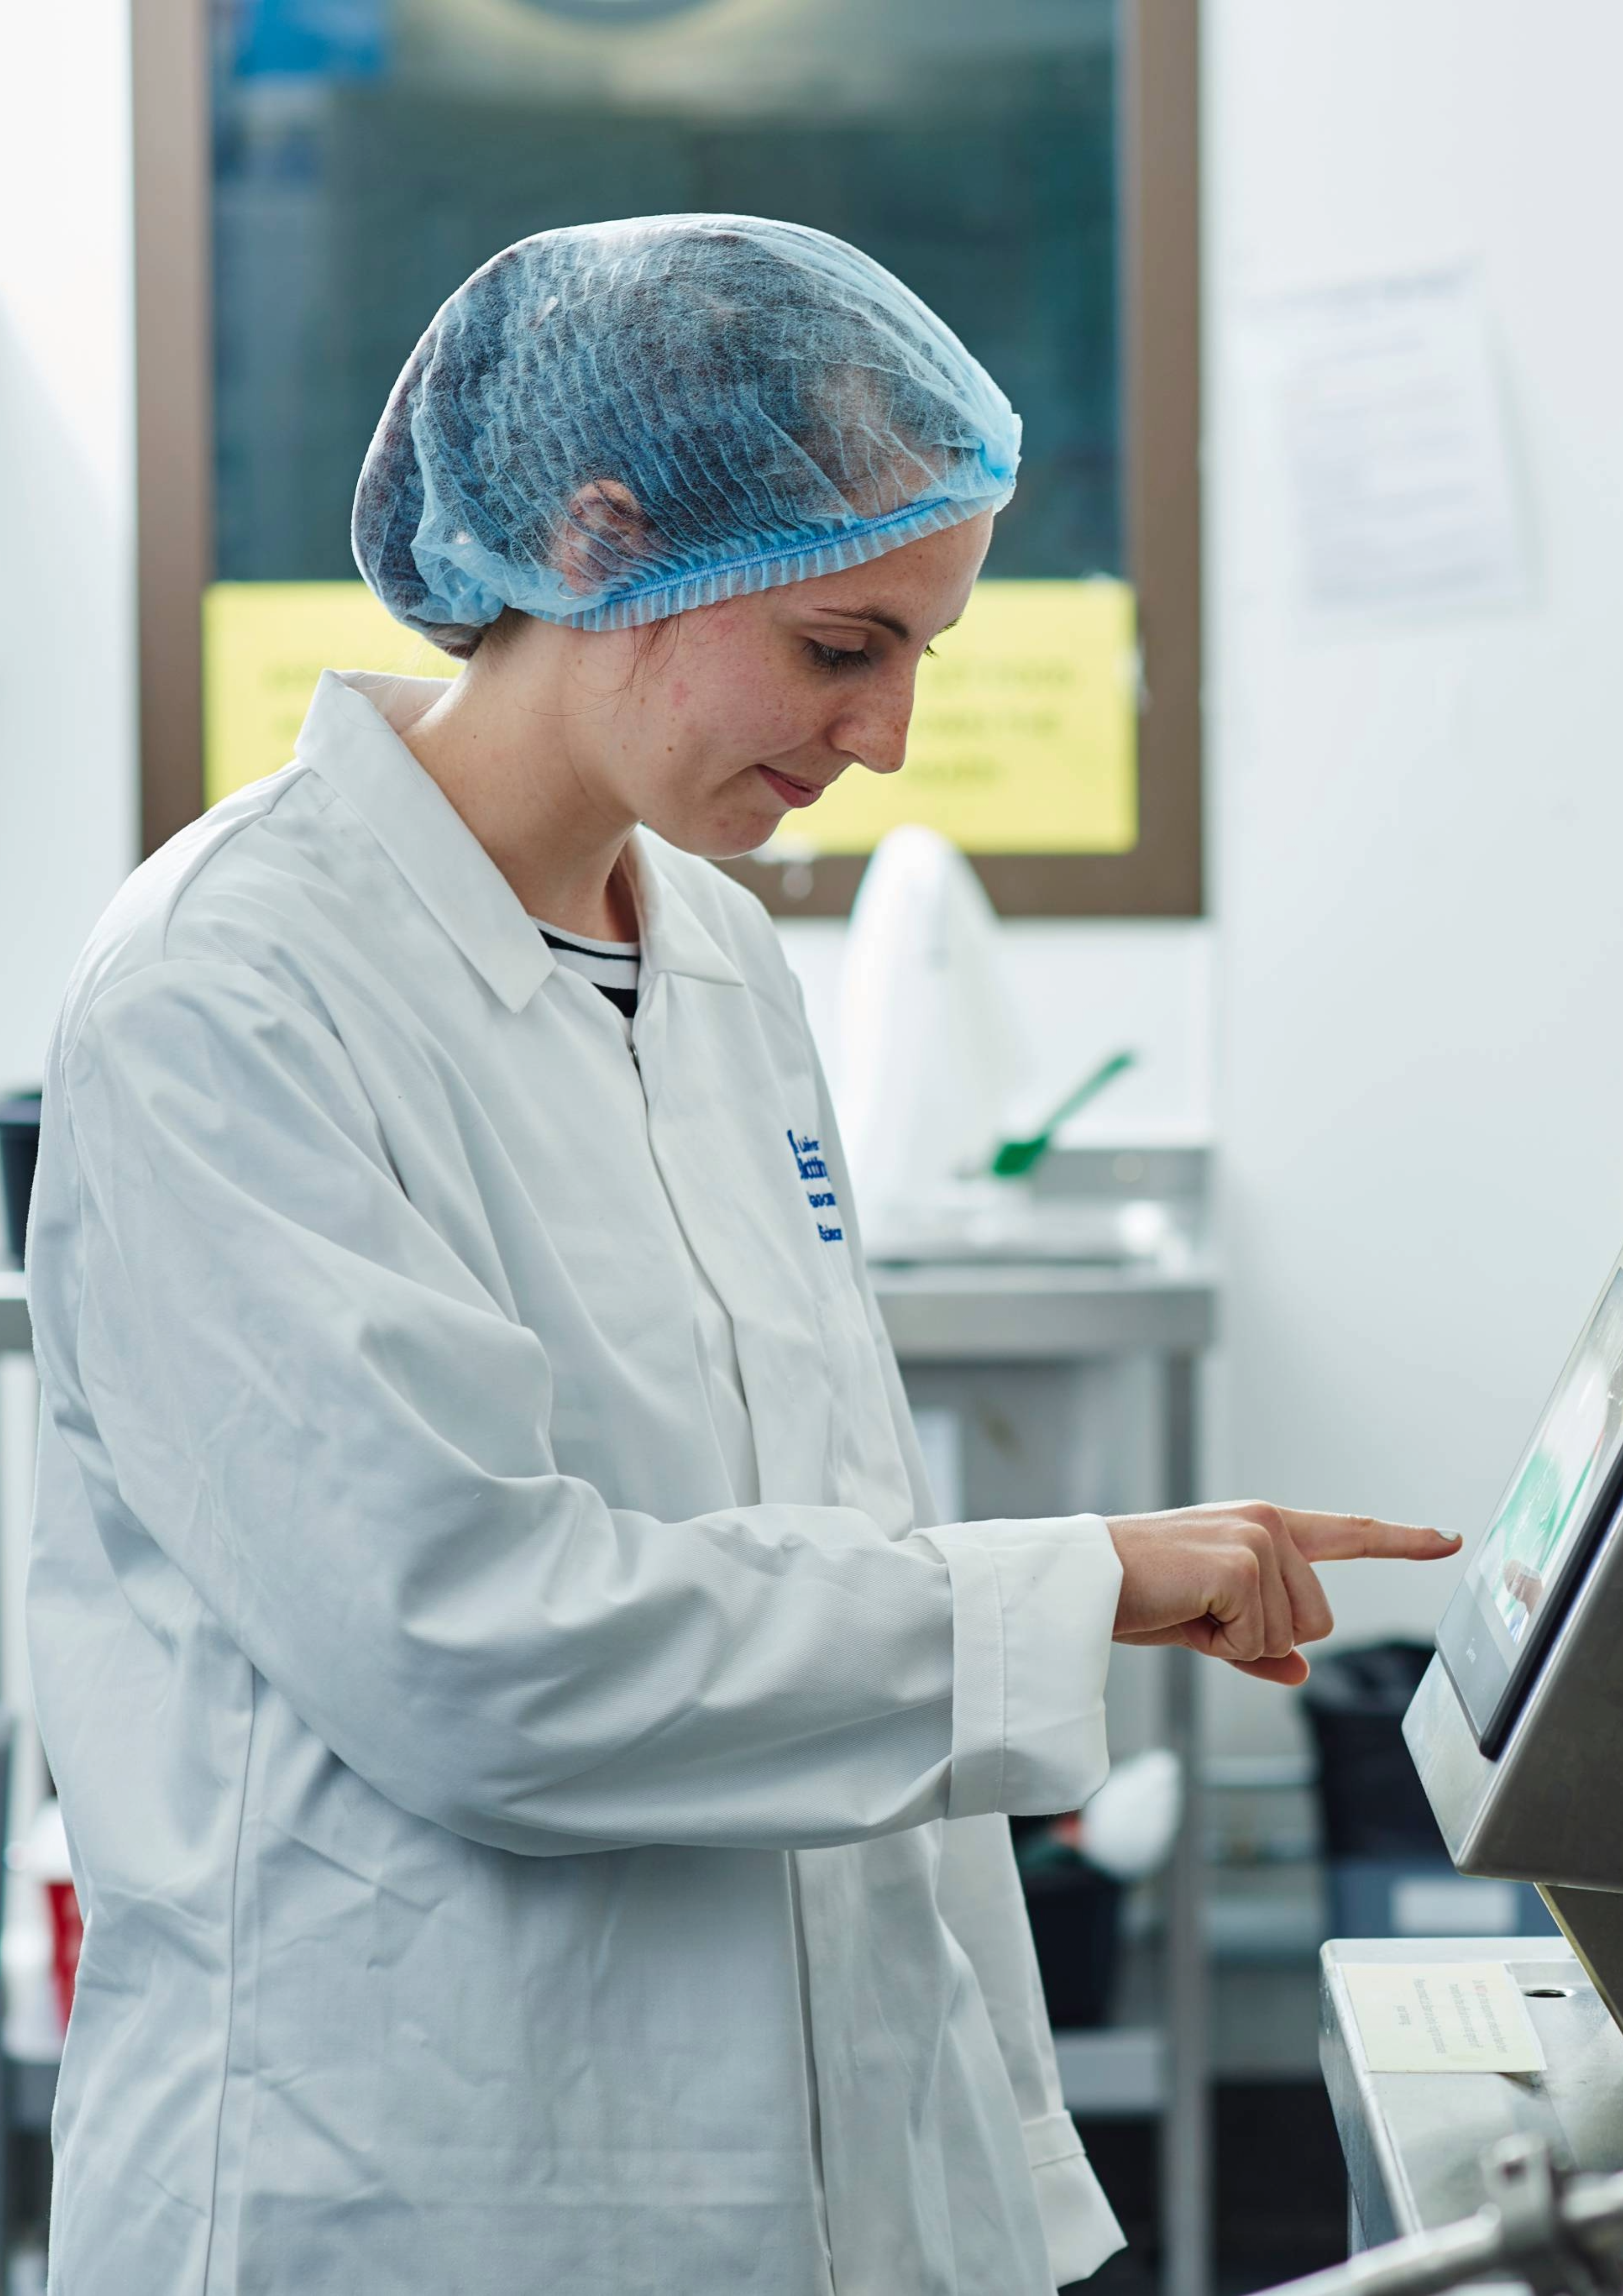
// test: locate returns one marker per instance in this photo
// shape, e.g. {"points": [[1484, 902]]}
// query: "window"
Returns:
{"points": [[365, 155]]}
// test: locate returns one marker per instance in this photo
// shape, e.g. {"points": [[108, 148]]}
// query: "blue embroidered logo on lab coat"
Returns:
{"points": [[819, 1191]]}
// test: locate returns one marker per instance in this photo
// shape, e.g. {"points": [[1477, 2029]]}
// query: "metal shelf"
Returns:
{"points": [[1115, 2073]]}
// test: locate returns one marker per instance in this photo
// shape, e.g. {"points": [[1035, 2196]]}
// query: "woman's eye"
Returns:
{"points": [[835, 659]]}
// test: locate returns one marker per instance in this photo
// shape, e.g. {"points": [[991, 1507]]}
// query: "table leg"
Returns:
{"points": [[1186, 2135]]}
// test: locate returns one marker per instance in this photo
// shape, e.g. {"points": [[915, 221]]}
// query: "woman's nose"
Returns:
{"points": [[876, 733]]}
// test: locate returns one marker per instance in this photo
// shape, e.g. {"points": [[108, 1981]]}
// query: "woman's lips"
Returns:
{"points": [[791, 793]]}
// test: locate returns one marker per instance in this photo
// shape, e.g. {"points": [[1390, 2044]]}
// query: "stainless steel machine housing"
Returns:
{"points": [[1550, 1809]]}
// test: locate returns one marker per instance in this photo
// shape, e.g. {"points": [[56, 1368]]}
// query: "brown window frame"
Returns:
{"points": [[1161, 304]]}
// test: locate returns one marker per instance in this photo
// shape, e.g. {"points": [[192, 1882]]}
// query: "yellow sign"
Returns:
{"points": [[1024, 736], [265, 644]]}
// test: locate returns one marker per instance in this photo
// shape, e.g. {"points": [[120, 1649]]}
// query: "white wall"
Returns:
{"points": [[1418, 835], [67, 796]]}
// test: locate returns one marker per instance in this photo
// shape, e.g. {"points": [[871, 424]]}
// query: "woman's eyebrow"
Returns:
{"points": [[877, 614]]}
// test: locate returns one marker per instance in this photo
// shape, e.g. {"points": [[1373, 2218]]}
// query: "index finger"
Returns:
{"points": [[1344, 1537]]}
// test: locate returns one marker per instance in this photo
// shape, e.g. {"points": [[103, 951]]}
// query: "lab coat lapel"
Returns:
{"points": [[720, 1113]]}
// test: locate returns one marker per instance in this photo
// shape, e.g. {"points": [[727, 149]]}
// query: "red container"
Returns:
{"points": [[67, 1934]]}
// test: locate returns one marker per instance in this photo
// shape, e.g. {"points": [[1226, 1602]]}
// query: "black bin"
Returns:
{"points": [[19, 1154], [1388, 1866], [1370, 1798], [1075, 1912]]}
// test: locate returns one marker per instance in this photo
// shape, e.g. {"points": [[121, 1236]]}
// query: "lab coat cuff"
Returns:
{"points": [[1034, 1603], [1078, 2223]]}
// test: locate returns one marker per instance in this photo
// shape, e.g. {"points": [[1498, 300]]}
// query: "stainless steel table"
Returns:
{"points": [[949, 1312], [1413, 2142]]}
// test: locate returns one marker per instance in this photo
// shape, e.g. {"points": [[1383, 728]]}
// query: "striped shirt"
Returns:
{"points": [[611, 965]]}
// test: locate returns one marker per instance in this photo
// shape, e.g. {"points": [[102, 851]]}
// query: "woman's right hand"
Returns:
{"points": [[1236, 1580]]}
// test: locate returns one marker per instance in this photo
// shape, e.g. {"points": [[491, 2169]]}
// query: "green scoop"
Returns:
{"points": [[1017, 1156]]}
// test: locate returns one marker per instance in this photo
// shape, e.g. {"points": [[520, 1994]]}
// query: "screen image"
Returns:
{"points": [[1553, 1491]]}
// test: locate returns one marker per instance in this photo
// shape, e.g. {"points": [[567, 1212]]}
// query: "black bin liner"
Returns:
{"points": [[18, 1153], [1370, 1794]]}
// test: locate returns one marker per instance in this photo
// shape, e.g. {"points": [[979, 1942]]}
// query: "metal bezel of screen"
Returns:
{"points": [[1492, 1685]]}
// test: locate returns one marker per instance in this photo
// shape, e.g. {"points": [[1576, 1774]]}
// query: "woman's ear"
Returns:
{"points": [[604, 532]]}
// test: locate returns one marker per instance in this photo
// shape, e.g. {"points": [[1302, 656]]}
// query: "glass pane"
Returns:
{"points": [[368, 154]]}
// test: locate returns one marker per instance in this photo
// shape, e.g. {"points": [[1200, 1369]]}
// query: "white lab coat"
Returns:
{"points": [[511, 1865]]}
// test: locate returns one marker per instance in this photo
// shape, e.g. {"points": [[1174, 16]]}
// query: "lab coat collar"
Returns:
{"points": [[673, 939], [351, 737]]}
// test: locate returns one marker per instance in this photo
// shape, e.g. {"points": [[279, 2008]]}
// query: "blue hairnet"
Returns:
{"points": [[616, 422]]}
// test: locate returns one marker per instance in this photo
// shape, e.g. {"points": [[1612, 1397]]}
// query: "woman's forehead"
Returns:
{"points": [[928, 580]]}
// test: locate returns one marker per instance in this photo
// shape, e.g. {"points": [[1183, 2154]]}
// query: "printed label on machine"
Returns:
{"points": [[1442, 2017]]}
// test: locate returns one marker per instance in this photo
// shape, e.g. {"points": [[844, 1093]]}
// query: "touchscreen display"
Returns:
{"points": [[1562, 1500], [1555, 1488]]}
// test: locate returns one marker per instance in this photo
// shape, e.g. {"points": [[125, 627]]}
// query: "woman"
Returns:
{"points": [[536, 1785]]}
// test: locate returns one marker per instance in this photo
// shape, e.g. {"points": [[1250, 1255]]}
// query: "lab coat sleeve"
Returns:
{"points": [[978, 1892], [1025, 1705], [340, 1438]]}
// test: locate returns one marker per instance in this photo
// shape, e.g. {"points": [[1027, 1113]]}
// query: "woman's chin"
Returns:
{"points": [[728, 837]]}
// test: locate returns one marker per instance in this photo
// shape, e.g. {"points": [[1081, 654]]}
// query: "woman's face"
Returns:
{"points": [[714, 726]]}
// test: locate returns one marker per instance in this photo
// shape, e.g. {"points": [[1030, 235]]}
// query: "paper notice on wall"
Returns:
{"points": [[1442, 2017], [1024, 736], [1389, 425]]}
